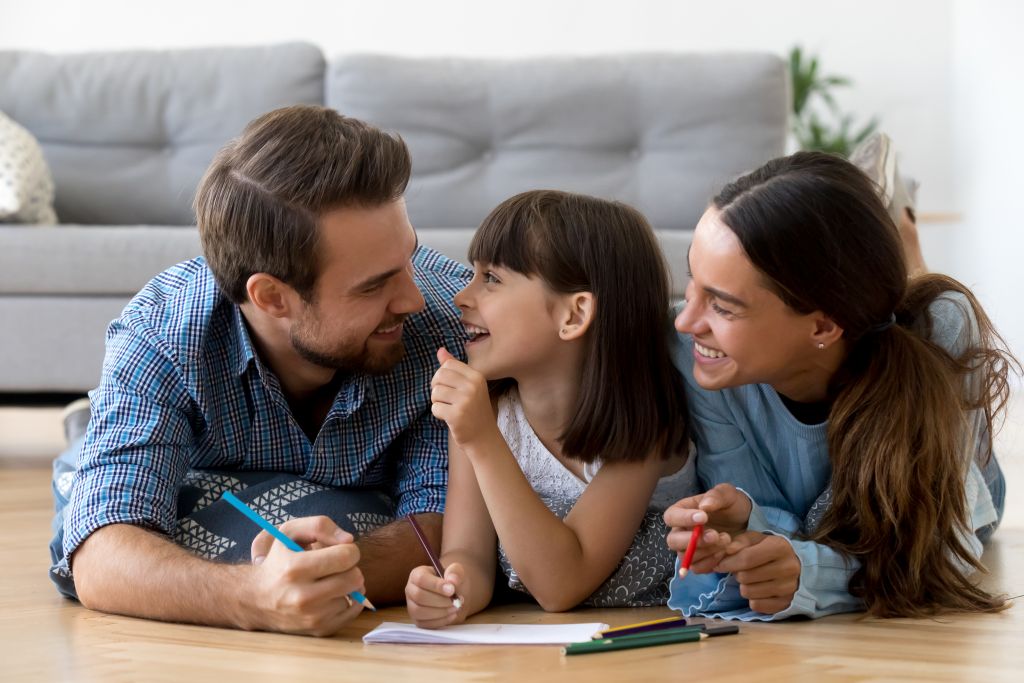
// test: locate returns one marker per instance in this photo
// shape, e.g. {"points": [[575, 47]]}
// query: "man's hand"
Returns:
{"points": [[306, 592], [429, 597], [723, 511], [459, 396], [767, 569]]}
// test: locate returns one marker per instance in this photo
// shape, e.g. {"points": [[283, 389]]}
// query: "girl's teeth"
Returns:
{"points": [[708, 353]]}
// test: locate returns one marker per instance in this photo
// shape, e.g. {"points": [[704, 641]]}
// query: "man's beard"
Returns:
{"points": [[347, 359]]}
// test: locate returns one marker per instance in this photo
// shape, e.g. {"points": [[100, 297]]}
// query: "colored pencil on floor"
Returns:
{"points": [[642, 627], [686, 634]]}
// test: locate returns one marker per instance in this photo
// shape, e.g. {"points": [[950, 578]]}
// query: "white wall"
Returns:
{"points": [[942, 74], [988, 169]]}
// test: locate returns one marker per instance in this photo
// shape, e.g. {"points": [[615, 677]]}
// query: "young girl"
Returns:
{"points": [[567, 309], [854, 408]]}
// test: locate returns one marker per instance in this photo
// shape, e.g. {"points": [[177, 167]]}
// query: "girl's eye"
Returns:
{"points": [[718, 309], [491, 278]]}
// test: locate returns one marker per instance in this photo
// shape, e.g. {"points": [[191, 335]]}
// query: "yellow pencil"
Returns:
{"points": [[643, 625]]}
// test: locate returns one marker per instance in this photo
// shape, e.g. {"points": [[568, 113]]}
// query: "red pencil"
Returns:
{"points": [[691, 548]]}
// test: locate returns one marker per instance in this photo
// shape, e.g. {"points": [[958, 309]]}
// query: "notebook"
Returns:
{"points": [[485, 634]]}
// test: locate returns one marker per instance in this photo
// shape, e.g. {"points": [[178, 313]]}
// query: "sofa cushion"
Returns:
{"points": [[26, 186], [129, 134], [659, 131]]}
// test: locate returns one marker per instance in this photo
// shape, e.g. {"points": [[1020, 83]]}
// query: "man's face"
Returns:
{"points": [[365, 290]]}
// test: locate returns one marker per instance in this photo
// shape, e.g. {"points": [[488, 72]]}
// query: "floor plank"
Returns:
{"points": [[43, 637]]}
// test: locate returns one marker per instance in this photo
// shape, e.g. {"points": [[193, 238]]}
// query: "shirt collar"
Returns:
{"points": [[242, 351]]}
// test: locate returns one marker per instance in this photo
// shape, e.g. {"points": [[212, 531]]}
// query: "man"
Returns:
{"points": [[291, 366]]}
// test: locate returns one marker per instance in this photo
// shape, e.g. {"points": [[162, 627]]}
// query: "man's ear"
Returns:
{"points": [[577, 314], [826, 331], [272, 296]]}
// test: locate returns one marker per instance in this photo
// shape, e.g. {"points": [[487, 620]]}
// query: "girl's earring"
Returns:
{"points": [[821, 346]]}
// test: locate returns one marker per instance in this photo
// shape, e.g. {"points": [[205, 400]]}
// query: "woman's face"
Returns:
{"points": [[742, 331]]}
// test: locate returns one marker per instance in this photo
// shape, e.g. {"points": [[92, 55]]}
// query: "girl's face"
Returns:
{"points": [[512, 321], [743, 333]]}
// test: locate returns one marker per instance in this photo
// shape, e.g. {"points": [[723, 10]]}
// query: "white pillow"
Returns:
{"points": [[26, 186]]}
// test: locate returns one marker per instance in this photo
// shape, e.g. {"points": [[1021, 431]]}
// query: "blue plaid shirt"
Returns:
{"points": [[182, 388]]}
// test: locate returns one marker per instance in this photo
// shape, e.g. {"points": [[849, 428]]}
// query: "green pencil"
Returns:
{"points": [[630, 642]]}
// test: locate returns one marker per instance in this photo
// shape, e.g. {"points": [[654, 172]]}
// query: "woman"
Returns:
{"points": [[853, 407]]}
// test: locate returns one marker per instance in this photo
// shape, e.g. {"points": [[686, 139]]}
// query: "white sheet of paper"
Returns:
{"points": [[484, 634]]}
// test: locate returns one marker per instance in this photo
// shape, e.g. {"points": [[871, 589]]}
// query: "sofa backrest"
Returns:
{"points": [[659, 131], [128, 135]]}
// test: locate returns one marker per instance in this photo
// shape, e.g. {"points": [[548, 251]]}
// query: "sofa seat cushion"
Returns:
{"points": [[90, 260]]}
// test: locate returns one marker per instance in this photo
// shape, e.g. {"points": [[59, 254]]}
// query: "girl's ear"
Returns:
{"points": [[271, 296], [577, 315], [826, 331]]}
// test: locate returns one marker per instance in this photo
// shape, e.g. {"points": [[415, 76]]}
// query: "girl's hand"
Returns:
{"points": [[767, 569], [429, 598], [723, 511], [459, 396]]}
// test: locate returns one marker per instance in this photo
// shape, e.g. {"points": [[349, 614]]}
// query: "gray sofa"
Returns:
{"points": [[127, 136]]}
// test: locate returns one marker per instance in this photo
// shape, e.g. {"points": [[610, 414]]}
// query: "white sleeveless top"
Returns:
{"points": [[551, 479]]}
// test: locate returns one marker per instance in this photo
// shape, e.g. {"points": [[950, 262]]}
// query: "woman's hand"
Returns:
{"points": [[430, 599], [459, 396], [767, 569], [723, 511]]}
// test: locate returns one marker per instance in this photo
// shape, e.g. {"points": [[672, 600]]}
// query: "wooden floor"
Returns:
{"points": [[46, 638]]}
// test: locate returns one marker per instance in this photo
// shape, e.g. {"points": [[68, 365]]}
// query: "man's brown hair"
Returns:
{"points": [[258, 205]]}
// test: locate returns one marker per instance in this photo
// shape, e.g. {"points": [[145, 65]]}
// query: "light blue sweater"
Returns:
{"points": [[746, 436]]}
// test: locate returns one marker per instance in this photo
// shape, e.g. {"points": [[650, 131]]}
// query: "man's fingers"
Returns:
{"points": [[305, 531], [316, 564], [336, 587], [334, 622]]}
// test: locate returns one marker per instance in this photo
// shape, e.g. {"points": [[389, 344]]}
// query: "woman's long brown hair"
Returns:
{"points": [[904, 410]]}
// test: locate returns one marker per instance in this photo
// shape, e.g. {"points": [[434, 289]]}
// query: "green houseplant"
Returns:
{"points": [[836, 133]]}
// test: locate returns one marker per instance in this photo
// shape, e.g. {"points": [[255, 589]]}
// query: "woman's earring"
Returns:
{"points": [[821, 346]]}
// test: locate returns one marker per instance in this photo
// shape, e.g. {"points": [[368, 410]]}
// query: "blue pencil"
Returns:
{"points": [[281, 536]]}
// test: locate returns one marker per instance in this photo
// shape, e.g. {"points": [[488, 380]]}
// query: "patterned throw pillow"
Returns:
{"points": [[26, 187]]}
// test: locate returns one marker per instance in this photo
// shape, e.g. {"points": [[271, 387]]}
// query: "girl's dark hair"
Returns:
{"points": [[814, 227], [630, 398]]}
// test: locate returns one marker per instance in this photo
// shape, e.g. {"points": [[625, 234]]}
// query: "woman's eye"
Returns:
{"points": [[718, 309]]}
